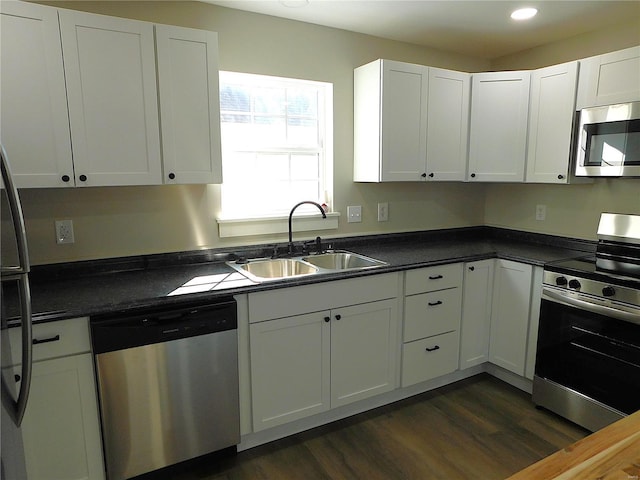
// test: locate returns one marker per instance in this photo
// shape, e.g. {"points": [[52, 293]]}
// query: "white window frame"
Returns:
{"points": [[232, 224]]}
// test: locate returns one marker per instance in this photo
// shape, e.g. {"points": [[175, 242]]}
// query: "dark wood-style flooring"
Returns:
{"points": [[480, 428]]}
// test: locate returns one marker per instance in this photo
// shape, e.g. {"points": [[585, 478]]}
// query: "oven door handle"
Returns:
{"points": [[626, 316]]}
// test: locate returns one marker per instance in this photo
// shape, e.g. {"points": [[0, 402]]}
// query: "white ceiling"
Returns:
{"points": [[479, 28]]}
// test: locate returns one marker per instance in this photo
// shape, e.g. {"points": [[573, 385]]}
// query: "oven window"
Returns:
{"points": [[613, 143], [592, 354]]}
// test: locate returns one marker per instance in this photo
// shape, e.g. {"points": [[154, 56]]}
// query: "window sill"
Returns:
{"points": [[242, 227]]}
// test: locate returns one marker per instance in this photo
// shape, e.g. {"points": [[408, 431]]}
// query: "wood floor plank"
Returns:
{"points": [[479, 428]]}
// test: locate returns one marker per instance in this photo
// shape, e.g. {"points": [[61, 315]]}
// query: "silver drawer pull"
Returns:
{"points": [[46, 340], [437, 347]]}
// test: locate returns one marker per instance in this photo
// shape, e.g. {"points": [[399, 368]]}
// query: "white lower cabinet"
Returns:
{"points": [[432, 311], [510, 315], [307, 363], [476, 313], [290, 369], [60, 429]]}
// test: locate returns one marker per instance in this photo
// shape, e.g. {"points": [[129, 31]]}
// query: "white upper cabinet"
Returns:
{"points": [[35, 122], [610, 78], [498, 130], [447, 124], [390, 119], [410, 122], [189, 104], [113, 102], [551, 113]]}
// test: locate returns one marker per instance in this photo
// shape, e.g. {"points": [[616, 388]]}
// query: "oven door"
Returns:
{"points": [[585, 352], [609, 141]]}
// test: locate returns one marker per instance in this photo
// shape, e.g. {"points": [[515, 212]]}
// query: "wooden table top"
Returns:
{"points": [[612, 453]]}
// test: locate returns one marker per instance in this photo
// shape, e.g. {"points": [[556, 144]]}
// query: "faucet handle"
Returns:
{"points": [[319, 245]]}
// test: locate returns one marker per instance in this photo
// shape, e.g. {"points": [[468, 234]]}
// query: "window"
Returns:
{"points": [[276, 144]]}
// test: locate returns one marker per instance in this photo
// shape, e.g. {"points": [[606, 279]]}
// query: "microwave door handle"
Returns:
{"points": [[618, 314], [16, 216]]}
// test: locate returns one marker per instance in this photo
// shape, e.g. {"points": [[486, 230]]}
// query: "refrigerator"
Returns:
{"points": [[15, 278]]}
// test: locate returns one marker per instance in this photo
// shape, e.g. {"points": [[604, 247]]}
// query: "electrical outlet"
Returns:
{"points": [[64, 231], [354, 214], [541, 212], [383, 212]]}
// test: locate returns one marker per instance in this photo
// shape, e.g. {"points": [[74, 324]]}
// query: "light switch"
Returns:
{"points": [[354, 214]]}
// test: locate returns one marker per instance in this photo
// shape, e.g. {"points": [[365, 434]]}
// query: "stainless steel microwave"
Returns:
{"points": [[608, 141]]}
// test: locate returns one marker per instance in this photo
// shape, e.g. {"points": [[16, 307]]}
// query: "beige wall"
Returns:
{"points": [[121, 221]]}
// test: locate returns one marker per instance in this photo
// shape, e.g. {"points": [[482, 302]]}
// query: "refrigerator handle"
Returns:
{"points": [[21, 274], [16, 215]]}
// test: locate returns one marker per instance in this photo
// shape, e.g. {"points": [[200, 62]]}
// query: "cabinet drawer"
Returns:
{"points": [[53, 339], [433, 278], [433, 313], [429, 358]]}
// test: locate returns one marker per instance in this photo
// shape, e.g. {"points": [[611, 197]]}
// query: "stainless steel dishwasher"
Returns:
{"points": [[167, 385]]}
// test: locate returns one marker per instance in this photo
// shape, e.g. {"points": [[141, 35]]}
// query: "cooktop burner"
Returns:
{"points": [[588, 267]]}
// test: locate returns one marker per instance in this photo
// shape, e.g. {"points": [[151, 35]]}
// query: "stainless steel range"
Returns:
{"points": [[588, 352]]}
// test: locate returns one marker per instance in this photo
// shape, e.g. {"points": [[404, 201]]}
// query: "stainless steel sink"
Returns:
{"points": [[272, 269], [342, 260], [263, 269]]}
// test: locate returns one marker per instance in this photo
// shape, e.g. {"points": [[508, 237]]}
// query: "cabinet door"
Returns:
{"points": [[476, 313], [289, 368], [113, 104], [363, 351], [610, 78], [189, 104], [552, 109], [403, 121], [498, 130], [510, 315], [35, 121], [447, 124], [534, 320], [60, 430]]}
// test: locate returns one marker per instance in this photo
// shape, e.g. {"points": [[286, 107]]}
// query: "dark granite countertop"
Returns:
{"points": [[95, 287]]}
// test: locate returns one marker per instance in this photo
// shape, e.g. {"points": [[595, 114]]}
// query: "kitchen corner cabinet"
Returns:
{"points": [[35, 120], [432, 310], [113, 103], [609, 78], [60, 429], [189, 104], [510, 312], [476, 313], [410, 122], [498, 126], [551, 114], [306, 359]]}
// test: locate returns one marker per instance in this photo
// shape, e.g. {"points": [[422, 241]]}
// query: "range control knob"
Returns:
{"points": [[575, 284], [561, 281], [608, 291]]}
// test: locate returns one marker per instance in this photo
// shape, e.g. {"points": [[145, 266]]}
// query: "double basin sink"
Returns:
{"points": [[262, 269]]}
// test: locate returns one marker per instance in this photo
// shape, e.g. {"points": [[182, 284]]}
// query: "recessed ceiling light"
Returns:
{"points": [[295, 3], [524, 13]]}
